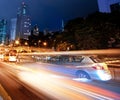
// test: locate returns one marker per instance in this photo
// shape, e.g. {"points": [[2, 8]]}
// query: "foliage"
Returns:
{"points": [[96, 31]]}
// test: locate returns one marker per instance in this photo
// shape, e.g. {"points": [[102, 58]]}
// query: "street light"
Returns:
{"points": [[26, 43], [17, 42], [45, 44]]}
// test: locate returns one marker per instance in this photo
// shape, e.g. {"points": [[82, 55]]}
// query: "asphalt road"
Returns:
{"points": [[16, 89], [52, 85]]}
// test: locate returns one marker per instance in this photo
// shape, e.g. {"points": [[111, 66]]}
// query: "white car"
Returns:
{"points": [[92, 68], [12, 58], [88, 67]]}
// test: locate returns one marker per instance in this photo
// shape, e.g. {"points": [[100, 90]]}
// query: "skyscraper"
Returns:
{"points": [[107, 6], [13, 29], [23, 29], [3, 31], [62, 25]]}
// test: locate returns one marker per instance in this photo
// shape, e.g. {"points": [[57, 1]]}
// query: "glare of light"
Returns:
{"points": [[17, 42], [82, 79], [104, 76], [44, 43]]}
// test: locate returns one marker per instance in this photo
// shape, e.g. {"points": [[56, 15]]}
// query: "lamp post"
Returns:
{"points": [[44, 44]]}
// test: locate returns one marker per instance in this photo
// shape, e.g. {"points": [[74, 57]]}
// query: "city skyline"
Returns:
{"points": [[49, 14]]}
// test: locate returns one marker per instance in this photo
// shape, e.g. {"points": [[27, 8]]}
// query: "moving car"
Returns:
{"points": [[92, 68], [10, 56], [84, 67], [13, 55]]}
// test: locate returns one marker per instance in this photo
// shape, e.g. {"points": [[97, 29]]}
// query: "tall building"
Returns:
{"points": [[62, 25], [3, 31], [107, 6], [23, 29], [115, 7], [36, 30], [13, 29]]}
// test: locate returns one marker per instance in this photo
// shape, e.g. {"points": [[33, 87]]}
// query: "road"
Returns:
{"points": [[15, 89], [53, 85]]}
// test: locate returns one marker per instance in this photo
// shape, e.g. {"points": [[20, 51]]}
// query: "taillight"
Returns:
{"points": [[98, 67]]}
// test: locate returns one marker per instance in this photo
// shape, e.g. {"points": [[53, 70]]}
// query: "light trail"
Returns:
{"points": [[92, 94], [59, 87], [54, 86], [82, 52]]}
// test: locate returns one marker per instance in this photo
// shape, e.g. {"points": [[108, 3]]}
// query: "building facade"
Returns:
{"points": [[13, 23], [3, 31], [107, 6], [23, 27]]}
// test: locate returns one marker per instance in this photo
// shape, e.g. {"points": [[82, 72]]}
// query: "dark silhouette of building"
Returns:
{"points": [[115, 7], [108, 6], [23, 28]]}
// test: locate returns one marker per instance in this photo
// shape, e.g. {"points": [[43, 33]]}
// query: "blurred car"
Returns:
{"points": [[10, 56], [92, 68], [13, 58], [13, 55], [6, 57], [1, 56], [84, 67]]}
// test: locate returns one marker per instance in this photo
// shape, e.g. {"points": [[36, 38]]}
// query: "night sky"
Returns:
{"points": [[48, 14]]}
